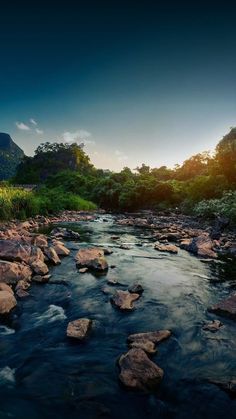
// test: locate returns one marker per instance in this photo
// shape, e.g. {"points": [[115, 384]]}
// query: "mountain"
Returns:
{"points": [[10, 156]]}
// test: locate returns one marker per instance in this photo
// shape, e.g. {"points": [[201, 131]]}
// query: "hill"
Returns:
{"points": [[10, 156]]}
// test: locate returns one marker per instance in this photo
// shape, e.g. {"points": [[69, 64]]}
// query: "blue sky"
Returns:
{"points": [[138, 82]]}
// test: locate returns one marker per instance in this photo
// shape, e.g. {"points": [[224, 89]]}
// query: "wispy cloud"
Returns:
{"points": [[121, 156], [32, 121], [77, 136], [22, 126], [39, 131]]}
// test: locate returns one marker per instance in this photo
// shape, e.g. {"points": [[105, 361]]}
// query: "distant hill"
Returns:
{"points": [[10, 156]]}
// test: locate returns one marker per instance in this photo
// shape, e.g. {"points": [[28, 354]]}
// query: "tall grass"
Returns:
{"points": [[18, 203]]}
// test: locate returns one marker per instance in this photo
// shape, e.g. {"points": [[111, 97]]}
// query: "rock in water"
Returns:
{"points": [[12, 272], [17, 252], [52, 255], [170, 248], [213, 326], [7, 301], [136, 288], [60, 248], [78, 329], [138, 371], [39, 267], [124, 299], [202, 246], [148, 341], [91, 258], [226, 307], [228, 386]]}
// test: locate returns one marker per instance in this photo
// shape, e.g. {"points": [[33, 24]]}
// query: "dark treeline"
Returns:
{"points": [[66, 167]]}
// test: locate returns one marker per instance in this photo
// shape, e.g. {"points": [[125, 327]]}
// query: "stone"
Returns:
{"points": [[17, 252], [5, 287], [212, 326], [39, 267], [170, 248], [154, 337], [42, 279], [147, 346], [124, 299], [107, 251], [137, 371], [12, 272], [125, 246], [40, 241], [78, 329], [202, 246], [60, 248], [65, 233], [83, 270], [22, 293], [226, 307], [91, 258], [52, 255], [136, 288], [7, 301]]}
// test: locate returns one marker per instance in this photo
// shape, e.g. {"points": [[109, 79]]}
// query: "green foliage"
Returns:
{"points": [[225, 206], [226, 156]]}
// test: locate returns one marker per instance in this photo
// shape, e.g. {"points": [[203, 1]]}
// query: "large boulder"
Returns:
{"points": [[124, 299], [202, 246], [17, 252], [7, 301], [226, 307], [39, 267], [91, 258], [137, 371], [78, 329], [12, 272]]}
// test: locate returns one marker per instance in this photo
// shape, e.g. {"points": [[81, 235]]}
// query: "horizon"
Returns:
{"points": [[137, 84]]}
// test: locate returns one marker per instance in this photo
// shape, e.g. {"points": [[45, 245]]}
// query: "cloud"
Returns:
{"points": [[121, 156], [32, 121], [39, 131], [77, 137], [22, 126]]}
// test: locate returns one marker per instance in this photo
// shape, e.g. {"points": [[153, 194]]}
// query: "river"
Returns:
{"points": [[45, 375]]}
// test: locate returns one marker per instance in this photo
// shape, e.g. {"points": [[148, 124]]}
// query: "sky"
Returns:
{"points": [[136, 81]]}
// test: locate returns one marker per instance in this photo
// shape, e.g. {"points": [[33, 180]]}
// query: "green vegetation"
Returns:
{"points": [[18, 203], [225, 206], [65, 172]]}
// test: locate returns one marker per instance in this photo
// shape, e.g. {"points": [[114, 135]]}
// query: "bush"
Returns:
{"points": [[225, 206]]}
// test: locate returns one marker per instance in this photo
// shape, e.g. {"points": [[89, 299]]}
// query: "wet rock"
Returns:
{"points": [[125, 246], [115, 237], [226, 307], [228, 386], [91, 258], [146, 345], [184, 244], [145, 339], [12, 272], [39, 267], [113, 266], [78, 329], [136, 288], [170, 248], [42, 279], [21, 293], [107, 290], [17, 252], [83, 270], [65, 233], [212, 326], [60, 248], [52, 255], [138, 371], [107, 251], [202, 246], [40, 241], [124, 299], [112, 281], [7, 301]]}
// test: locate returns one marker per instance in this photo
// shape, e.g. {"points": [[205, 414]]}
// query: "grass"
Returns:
{"points": [[18, 203]]}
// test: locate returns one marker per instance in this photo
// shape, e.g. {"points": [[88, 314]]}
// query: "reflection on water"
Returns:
{"points": [[51, 376]]}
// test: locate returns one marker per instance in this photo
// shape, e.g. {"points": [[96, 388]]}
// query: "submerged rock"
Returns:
{"points": [[83, 270], [91, 258], [12, 272], [148, 340], [137, 371], [213, 326], [136, 288], [78, 329], [226, 307], [124, 299], [170, 248]]}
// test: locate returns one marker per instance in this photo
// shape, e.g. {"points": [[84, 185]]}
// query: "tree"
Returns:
{"points": [[226, 155]]}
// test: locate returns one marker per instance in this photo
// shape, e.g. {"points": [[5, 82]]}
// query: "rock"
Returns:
{"points": [[7, 301], [184, 244], [65, 233], [154, 337], [113, 266], [107, 290], [40, 241], [17, 252], [112, 281], [22, 293], [138, 371], [42, 279], [115, 237], [125, 246], [136, 288], [52, 255], [107, 251], [146, 345], [202, 246], [12, 272], [78, 329], [228, 386], [60, 248], [213, 326], [22, 284], [83, 270], [91, 258], [124, 299], [5, 287], [170, 248], [39, 267], [226, 307]]}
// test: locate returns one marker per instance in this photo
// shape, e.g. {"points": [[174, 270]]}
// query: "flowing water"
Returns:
{"points": [[43, 374]]}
